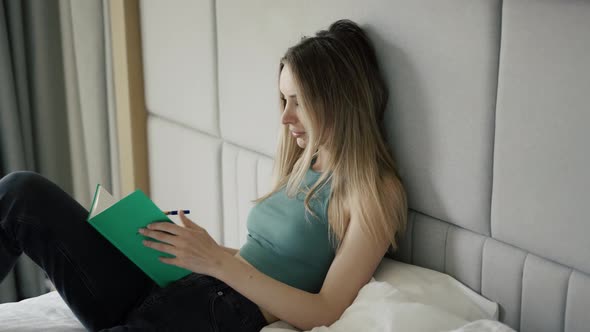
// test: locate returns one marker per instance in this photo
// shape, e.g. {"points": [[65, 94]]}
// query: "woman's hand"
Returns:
{"points": [[194, 249]]}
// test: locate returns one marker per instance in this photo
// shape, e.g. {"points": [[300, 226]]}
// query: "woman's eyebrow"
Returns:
{"points": [[290, 96]]}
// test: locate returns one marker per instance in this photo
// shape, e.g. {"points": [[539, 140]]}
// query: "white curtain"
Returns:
{"points": [[89, 97]]}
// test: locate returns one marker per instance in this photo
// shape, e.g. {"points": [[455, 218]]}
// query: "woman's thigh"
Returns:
{"points": [[196, 302], [97, 282]]}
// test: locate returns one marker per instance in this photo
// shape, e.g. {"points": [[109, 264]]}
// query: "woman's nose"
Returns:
{"points": [[288, 117]]}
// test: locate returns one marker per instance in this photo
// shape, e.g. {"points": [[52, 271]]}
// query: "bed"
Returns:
{"points": [[400, 297], [488, 121]]}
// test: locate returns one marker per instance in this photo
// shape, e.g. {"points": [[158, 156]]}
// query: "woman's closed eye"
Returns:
{"points": [[285, 101]]}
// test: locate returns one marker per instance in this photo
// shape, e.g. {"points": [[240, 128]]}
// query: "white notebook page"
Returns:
{"points": [[103, 201]]}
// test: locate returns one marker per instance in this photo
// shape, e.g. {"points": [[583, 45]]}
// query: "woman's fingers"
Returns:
{"points": [[186, 221], [158, 235], [159, 246], [172, 261], [169, 227]]}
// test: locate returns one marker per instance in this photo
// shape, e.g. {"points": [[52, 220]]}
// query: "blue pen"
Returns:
{"points": [[175, 212]]}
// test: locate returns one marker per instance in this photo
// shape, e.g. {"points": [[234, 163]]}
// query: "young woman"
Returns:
{"points": [[313, 242]]}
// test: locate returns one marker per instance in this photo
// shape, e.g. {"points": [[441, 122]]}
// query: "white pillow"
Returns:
{"points": [[403, 297], [436, 289]]}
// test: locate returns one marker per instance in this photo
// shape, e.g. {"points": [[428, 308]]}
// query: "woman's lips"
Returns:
{"points": [[298, 134]]}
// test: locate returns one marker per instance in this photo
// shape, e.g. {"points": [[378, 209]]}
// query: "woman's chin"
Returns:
{"points": [[302, 143]]}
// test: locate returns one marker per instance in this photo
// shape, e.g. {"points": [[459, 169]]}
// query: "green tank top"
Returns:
{"points": [[284, 245]]}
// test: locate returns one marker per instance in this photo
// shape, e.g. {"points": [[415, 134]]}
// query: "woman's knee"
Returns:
{"points": [[21, 182]]}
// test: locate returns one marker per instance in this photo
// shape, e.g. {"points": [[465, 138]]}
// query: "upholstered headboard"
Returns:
{"points": [[488, 121]]}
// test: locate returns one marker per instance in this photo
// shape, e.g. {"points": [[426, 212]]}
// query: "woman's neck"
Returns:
{"points": [[319, 163]]}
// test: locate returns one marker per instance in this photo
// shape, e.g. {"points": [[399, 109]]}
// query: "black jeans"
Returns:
{"points": [[104, 289]]}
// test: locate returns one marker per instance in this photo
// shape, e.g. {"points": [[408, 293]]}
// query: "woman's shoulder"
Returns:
{"points": [[390, 181], [388, 185]]}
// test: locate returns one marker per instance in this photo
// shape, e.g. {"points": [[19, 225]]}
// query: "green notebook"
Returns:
{"points": [[118, 222]]}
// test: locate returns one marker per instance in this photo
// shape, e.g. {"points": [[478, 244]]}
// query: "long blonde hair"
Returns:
{"points": [[344, 98]]}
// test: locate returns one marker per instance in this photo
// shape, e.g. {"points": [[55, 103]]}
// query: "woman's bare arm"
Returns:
{"points": [[229, 250], [353, 267]]}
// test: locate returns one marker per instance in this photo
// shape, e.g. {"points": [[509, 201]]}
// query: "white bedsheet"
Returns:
{"points": [[378, 307], [47, 312]]}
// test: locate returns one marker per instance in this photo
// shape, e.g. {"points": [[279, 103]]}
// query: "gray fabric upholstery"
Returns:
{"points": [[578, 302], [535, 294], [246, 175], [487, 120], [541, 162], [502, 270], [179, 62], [185, 172], [463, 254], [544, 292]]}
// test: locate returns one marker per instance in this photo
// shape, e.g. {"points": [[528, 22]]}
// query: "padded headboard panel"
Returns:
{"points": [[488, 120]]}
